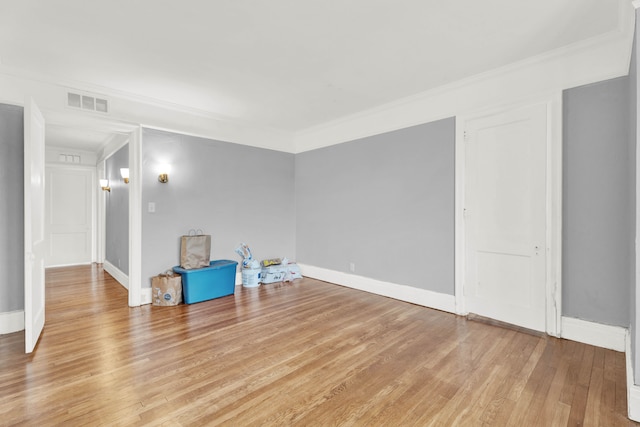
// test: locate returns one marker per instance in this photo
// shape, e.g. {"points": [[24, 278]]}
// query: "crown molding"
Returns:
{"points": [[129, 111], [599, 58], [90, 88], [595, 59]]}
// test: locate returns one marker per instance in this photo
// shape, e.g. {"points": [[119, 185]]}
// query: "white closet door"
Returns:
{"points": [[506, 216]]}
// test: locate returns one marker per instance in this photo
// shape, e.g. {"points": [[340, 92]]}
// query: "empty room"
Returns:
{"points": [[404, 213]]}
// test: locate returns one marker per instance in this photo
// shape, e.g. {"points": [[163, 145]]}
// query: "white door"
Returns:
{"points": [[34, 242], [69, 215], [505, 201]]}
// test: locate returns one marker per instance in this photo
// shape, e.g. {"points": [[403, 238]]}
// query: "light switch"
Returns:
{"points": [[152, 207]]}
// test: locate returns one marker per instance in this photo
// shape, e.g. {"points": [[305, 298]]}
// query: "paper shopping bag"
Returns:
{"points": [[195, 250], [166, 289]]}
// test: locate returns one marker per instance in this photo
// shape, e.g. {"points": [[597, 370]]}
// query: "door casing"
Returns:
{"points": [[553, 211]]}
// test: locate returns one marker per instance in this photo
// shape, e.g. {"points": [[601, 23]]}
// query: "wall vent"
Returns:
{"points": [[69, 158], [87, 102]]}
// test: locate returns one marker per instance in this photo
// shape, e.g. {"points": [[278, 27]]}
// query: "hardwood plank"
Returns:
{"points": [[301, 353]]}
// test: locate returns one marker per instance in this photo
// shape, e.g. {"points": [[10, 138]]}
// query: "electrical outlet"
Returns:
{"points": [[352, 267]]}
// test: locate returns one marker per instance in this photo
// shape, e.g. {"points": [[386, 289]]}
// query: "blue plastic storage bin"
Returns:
{"points": [[202, 284]]}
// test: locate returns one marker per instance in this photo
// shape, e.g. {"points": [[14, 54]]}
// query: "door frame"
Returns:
{"points": [[135, 217], [553, 250], [134, 278]]}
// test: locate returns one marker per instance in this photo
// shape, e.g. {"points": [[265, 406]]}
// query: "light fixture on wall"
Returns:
{"points": [[104, 183], [124, 172], [164, 170]]}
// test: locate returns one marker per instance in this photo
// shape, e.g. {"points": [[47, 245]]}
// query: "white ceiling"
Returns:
{"points": [[285, 64], [74, 138]]}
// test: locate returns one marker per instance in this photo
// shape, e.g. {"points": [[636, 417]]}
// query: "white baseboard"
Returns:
{"points": [[11, 321], [238, 278], [68, 265], [116, 273], [145, 296], [611, 337], [410, 294], [633, 390]]}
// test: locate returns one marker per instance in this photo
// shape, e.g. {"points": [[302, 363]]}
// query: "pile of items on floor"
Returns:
{"points": [[265, 271], [198, 278]]}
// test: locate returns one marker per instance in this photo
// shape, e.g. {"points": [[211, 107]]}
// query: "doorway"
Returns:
{"points": [[77, 146]]}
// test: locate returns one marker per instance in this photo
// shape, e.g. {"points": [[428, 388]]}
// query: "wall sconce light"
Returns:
{"points": [[124, 172], [164, 170], [104, 183]]}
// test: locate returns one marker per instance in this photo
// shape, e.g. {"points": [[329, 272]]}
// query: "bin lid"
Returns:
{"points": [[213, 265]]}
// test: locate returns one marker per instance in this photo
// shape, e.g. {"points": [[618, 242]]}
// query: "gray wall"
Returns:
{"points": [[117, 211], [597, 208], [235, 193], [11, 208], [385, 203]]}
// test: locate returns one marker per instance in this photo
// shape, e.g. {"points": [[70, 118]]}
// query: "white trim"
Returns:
{"points": [[605, 336], [70, 85], [112, 146], [117, 274], [11, 321], [135, 218], [596, 59], [633, 402], [100, 196], [553, 292], [410, 294], [94, 214], [283, 144], [146, 296], [127, 108], [69, 265], [459, 234], [554, 216], [633, 391], [238, 278], [635, 329]]}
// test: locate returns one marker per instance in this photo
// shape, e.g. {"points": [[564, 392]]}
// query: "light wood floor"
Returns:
{"points": [[306, 353]]}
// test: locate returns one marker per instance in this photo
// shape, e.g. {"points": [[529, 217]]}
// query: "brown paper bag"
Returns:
{"points": [[195, 250], [166, 289]]}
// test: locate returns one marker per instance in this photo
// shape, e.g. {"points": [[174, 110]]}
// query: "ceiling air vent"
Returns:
{"points": [[87, 102]]}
